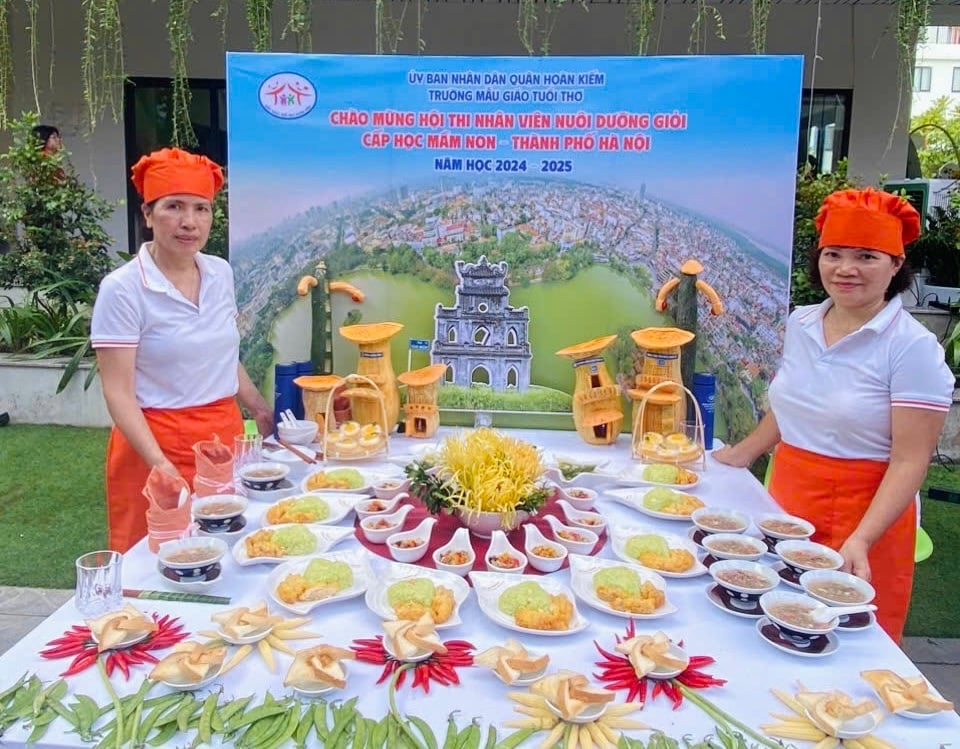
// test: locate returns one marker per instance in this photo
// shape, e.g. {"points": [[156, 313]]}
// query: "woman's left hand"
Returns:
{"points": [[264, 421], [854, 553]]}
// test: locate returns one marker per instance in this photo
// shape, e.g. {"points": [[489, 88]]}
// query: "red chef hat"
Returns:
{"points": [[867, 218]]}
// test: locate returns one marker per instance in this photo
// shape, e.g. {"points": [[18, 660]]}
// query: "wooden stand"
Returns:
{"points": [[375, 364], [597, 413], [420, 412], [673, 447]]}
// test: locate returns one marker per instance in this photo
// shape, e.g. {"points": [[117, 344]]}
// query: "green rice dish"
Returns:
{"points": [[618, 577], [418, 589], [570, 470], [324, 572], [524, 596], [647, 543], [351, 476], [295, 540], [661, 474], [659, 499], [312, 505]]}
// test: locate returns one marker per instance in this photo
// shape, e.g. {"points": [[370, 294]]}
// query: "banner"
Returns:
{"points": [[507, 208]]}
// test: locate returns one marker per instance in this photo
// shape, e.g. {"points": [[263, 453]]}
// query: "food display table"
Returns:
{"points": [[750, 665]]}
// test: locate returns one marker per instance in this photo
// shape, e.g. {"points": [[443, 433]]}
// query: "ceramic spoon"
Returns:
{"points": [[829, 613]]}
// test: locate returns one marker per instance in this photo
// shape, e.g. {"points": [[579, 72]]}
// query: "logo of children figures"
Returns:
{"points": [[287, 95]]}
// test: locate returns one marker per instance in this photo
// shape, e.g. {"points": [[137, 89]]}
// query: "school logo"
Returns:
{"points": [[287, 95]]}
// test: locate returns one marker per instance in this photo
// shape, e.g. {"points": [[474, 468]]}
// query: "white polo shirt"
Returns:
{"points": [[836, 401], [187, 355]]}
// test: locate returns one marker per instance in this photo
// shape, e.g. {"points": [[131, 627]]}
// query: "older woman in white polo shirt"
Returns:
{"points": [[859, 401], [164, 328]]}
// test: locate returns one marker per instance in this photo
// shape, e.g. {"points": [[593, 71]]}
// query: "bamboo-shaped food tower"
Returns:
{"points": [[421, 415], [375, 364], [597, 413], [317, 391]]}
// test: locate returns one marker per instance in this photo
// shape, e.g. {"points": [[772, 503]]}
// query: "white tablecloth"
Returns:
{"points": [[750, 666]]}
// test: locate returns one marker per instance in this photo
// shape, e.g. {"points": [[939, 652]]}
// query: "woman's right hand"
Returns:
{"points": [[166, 466], [733, 455]]}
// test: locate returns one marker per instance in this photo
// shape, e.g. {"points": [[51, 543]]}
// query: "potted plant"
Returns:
{"points": [[489, 480], [937, 253]]}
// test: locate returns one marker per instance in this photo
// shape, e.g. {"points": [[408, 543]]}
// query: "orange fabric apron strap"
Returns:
{"points": [[833, 494], [176, 430]]}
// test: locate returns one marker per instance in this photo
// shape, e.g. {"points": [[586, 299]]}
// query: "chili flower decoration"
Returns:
{"points": [[619, 673], [439, 667], [78, 643]]}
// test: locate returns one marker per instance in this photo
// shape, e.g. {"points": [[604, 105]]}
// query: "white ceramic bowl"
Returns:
{"points": [[720, 570], [298, 467], [369, 508], [459, 542], [705, 518], [394, 520], [712, 541], [285, 489], [302, 433], [590, 520], [579, 497], [419, 535], [763, 521], [787, 551], [542, 563], [579, 540], [216, 547], [219, 506], [390, 487], [263, 476], [500, 544], [810, 579], [774, 598], [483, 524]]}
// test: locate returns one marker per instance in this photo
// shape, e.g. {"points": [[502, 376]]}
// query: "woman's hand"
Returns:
{"points": [[854, 553], [264, 421], [166, 466], [733, 455]]}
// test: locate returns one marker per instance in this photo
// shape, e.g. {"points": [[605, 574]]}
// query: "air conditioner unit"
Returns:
{"points": [[925, 194]]}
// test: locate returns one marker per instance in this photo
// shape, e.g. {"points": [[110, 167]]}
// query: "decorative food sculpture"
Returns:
{"points": [[321, 342], [421, 415], [597, 414], [374, 364]]}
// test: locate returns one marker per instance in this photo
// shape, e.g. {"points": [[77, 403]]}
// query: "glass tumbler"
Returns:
{"points": [[247, 449], [99, 583]]}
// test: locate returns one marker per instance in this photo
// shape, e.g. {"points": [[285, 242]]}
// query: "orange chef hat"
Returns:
{"points": [[172, 171], [867, 218]]}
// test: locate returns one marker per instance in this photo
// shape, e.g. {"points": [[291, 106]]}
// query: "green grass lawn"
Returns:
{"points": [[52, 510]]}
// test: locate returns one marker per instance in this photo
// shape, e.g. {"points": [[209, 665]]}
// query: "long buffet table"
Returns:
{"points": [[750, 665]]}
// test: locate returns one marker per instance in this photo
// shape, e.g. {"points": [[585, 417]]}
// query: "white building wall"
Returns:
{"points": [[942, 59], [856, 50]]}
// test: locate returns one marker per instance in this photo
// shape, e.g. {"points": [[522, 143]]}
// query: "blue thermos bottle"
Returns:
{"points": [[285, 393], [304, 368], [705, 391]]}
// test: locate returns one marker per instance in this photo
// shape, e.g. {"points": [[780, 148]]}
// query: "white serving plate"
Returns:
{"points": [[633, 498], [491, 585], [193, 686], [356, 559], [620, 535], [633, 474], [323, 689], [582, 570], [327, 536], [370, 477], [376, 595], [341, 504]]}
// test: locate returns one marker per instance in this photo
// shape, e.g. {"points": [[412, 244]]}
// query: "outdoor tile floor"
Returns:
{"points": [[22, 609]]}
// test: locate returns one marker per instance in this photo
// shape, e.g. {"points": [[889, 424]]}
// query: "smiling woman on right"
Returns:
{"points": [[859, 401]]}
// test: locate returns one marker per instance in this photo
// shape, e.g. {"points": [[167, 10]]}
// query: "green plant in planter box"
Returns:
{"points": [[51, 223]]}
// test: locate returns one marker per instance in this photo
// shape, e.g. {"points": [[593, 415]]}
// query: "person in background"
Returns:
{"points": [[859, 401], [48, 137], [165, 332]]}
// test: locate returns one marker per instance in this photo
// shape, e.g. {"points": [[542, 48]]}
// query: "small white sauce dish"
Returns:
{"points": [[410, 546], [379, 528]]}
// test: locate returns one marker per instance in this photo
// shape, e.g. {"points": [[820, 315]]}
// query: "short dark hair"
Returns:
{"points": [[43, 132], [901, 281]]}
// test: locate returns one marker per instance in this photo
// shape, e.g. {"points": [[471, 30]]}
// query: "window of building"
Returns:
{"points": [[482, 307], [448, 375], [512, 337], [451, 334], [148, 125], [481, 335], [921, 77], [512, 378], [824, 129], [480, 376], [943, 35], [955, 84]]}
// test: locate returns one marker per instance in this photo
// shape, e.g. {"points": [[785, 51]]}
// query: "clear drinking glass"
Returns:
{"points": [[693, 431], [99, 583], [247, 449]]}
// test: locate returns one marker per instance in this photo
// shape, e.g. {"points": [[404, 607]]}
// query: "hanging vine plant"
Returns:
{"points": [[180, 35], [6, 63], [222, 14], [33, 18], [759, 14], [387, 27], [640, 17], [259, 20], [536, 20], [299, 23], [101, 65], [706, 16], [912, 17]]}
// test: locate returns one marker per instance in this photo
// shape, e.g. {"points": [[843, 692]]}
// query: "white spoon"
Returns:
{"points": [[826, 614]]}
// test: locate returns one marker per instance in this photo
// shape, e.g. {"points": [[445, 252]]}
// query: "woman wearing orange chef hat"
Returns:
{"points": [[164, 327], [859, 401]]}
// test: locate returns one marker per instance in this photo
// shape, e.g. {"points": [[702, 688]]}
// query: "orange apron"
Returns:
{"points": [[176, 431], [833, 494]]}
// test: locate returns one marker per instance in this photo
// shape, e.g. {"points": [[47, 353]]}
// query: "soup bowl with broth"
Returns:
{"points": [[791, 613], [801, 556], [716, 520], [733, 546], [748, 580], [837, 588]]}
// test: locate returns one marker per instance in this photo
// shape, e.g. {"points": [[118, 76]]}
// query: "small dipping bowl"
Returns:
{"points": [[788, 551], [391, 522], [418, 539], [737, 590], [460, 542], [579, 497], [812, 580], [771, 601], [219, 513], [301, 432], [579, 540], [767, 523], [369, 508], [592, 521], [390, 488], [714, 543], [718, 520], [500, 546], [202, 554], [542, 553], [263, 476]]}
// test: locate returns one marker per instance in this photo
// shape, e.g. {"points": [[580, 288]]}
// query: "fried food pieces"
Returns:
{"points": [[261, 544], [441, 607], [646, 601], [556, 618], [296, 589], [675, 560], [318, 667]]}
